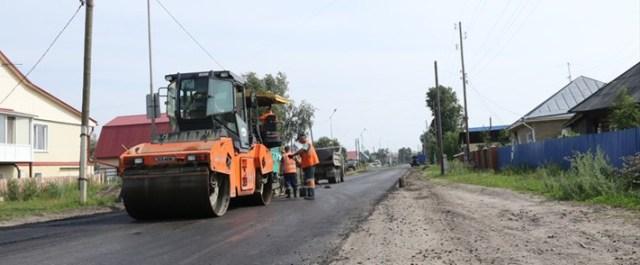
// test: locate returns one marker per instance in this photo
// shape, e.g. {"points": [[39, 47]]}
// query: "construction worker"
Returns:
{"points": [[290, 172], [268, 112], [309, 159]]}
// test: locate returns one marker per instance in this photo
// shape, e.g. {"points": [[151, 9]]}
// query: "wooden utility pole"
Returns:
{"points": [[464, 94], [86, 96], [439, 120]]}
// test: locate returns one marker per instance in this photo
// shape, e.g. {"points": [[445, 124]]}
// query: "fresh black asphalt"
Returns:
{"points": [[285, 232]]}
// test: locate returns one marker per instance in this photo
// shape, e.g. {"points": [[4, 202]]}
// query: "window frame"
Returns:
{"points": [[45, 138]]}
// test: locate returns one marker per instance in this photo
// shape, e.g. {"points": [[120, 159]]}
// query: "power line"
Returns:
{"points": [[504, 44], [493, 27], [189, 34], [493, 102], [508, 25], [53, 42]]}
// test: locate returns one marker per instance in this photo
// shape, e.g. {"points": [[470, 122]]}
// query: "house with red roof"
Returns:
{"points": [[123, 132], [39, 133]]}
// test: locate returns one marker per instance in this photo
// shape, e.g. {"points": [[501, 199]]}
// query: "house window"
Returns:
{"points": [[40, 137], [529, 137], [3, 129]]}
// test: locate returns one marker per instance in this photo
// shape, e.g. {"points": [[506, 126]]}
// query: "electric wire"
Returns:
{"points": [[44, 54], [504, 44], [184, 29], [505, 34]]}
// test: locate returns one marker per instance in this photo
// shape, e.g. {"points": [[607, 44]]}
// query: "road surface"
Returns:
{"points": [[285, 232]]}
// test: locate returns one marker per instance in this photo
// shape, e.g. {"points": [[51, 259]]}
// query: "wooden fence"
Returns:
{"points": [[97, 178]]}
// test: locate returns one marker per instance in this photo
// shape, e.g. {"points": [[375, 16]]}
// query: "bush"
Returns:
{"points": [[629, 175], [29, 189], [13, 190], [53, 191], [457, 167], [590, 176]]}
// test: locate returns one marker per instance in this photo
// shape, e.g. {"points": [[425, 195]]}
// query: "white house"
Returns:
{"points": [[39, 133]]}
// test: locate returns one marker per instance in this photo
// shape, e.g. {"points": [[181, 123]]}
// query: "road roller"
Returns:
{"points": [[216, 151]]}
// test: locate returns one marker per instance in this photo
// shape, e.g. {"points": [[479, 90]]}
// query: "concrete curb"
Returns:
{"points": [[61, 216]]}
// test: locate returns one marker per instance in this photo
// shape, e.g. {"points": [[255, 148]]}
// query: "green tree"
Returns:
{"points": [[278, 85], [451, 120], [404, 155], [382, 154], [297, 119], [451, 108], [326, 142], [451, 144], [625, 113]]}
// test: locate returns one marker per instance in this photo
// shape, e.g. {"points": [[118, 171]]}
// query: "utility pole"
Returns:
{"points": [[331, 122], [152, 95], [490, 124], [439, 120], [357, 150], [86, 96], [464, 94]]}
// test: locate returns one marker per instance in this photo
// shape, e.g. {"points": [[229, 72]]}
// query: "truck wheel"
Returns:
{"points": [[333, 180], [219, 194]]}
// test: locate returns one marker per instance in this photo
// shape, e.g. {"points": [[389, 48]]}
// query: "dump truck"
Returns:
{"points": [[331, 166], [216, 151]]}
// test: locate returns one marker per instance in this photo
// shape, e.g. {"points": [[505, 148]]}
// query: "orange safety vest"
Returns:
{"points": [[288, 164], [309, 158], [266, 115]]}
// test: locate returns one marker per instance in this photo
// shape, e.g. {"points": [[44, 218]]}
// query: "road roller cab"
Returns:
{"points": [[215, 151]]}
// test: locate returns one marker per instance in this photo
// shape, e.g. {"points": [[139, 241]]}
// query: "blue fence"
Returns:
{"points": [[615, 145]]}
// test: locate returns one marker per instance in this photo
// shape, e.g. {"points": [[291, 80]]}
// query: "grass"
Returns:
{"points": [[52, 198], [585, 184]]}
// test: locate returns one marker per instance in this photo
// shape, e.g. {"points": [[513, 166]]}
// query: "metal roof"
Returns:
{"points": [[566, 98], [605, 97], [487, 128], [126, 131]]}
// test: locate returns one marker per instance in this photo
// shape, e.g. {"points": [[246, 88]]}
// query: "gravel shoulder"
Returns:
{"points": [[441, 223]]}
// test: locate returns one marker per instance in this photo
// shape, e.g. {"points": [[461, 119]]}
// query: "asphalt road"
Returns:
{"points": [[285, 232]]}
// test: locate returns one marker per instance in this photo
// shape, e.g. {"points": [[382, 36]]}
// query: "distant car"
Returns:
{"points": [[375, 164]]}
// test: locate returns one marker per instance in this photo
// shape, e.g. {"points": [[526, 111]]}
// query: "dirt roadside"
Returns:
{"points": [[429, 223]]}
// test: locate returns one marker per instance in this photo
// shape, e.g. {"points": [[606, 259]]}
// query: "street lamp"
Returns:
{"points": [[362, 137], [331, 121]]}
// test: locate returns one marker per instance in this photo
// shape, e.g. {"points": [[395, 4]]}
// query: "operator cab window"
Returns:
{"points": [[193, 98]]}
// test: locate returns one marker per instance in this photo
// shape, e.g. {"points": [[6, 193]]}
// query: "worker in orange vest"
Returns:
{"points": [[268, 112], [308, 161], [290, 172]]}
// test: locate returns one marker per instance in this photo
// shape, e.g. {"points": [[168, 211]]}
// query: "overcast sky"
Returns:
{"points": [[370, 59]]}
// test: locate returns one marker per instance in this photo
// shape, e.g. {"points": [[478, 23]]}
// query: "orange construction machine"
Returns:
{"points": [[217, 150]]}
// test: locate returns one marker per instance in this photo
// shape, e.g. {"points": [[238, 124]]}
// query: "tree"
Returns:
{"points": [[326, 142], [404, 155], [382, 155], [625, 113], [450, 144], [278, 85], [451, 108], [451, 120], [297, 119]]}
